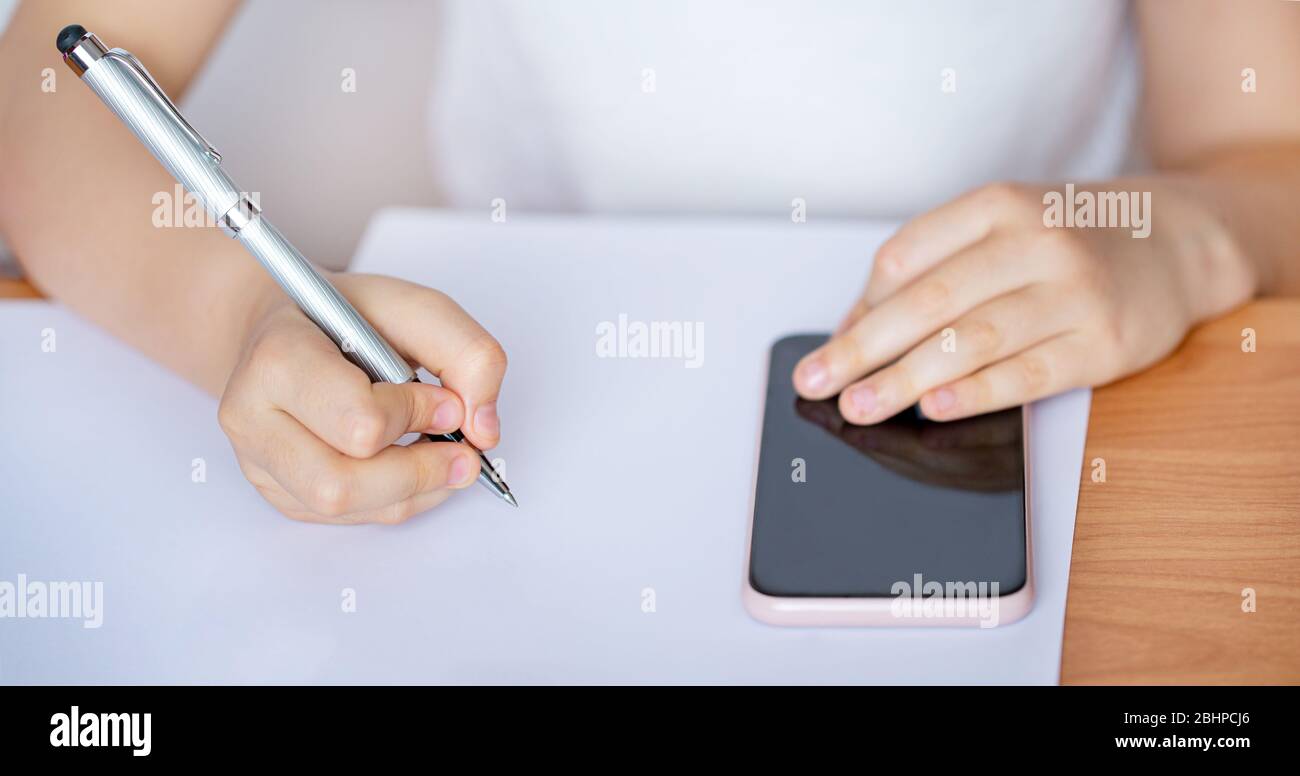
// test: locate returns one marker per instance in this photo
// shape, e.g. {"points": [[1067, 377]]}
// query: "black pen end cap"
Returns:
{"points": [[68, 37]]}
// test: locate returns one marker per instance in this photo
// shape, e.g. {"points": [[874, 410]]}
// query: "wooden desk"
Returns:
{"points": [[1201, 500], [17, 289]]}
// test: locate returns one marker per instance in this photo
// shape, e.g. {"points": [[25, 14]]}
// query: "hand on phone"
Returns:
{"points": [[316, 437], [978, 306]]}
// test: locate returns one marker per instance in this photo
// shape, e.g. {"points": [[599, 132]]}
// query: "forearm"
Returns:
{"points": [[1221, 224], [78, 195], [1221, 86], [1253, 193]]}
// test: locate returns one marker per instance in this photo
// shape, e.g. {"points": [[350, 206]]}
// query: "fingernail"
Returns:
{"points": [[459, 472], [944, 399], [444, 416], [813, 374], [486, 421], [863, 398]]}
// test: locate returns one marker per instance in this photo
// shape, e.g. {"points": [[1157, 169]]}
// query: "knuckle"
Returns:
{"points": [[1054, 237], [228, 417], [890, 261], [933, 297], [977, 390], [267, 490], [903, 382], [398, 513], [1063, 247], [485, 351], [268, 358], [1035, 374], [259, 479], [1110, 334], [1090, 278], [983, 337], [270, 346], [427, 475], [845, 355], [330, 494], [1074, 262], [363, 430], [1004, 195]]}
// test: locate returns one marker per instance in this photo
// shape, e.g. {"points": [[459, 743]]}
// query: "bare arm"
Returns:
{"points": [[310, 431], [1236, 151], [76, 196]]}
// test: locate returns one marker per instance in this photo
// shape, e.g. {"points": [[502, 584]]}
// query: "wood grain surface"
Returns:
{"points": [[1201, 505]]}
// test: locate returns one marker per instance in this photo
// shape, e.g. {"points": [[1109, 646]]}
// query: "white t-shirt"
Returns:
{"points": [[867, 109]]}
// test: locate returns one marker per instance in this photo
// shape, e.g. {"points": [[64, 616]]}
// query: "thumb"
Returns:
{"points": [[431, 329]]}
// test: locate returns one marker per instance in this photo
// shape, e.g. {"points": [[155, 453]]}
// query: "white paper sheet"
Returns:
{"points": [[632, 474]]}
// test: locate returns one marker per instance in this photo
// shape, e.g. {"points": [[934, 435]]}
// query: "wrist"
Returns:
{"points": [[262, 298], [1215, 269], [245, 297]]}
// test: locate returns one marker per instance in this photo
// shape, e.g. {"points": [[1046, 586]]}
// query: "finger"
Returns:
{"points": [[270, 490], [989, 333], [854, 315], [976, 274], [293, 509], [311, 380], [331, 484], [928, 239], [432, 329], [391, 515], [1043, 370], [402, 510]]}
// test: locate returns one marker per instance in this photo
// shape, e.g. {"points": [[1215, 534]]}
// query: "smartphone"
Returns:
{"points": [[909, 522]]}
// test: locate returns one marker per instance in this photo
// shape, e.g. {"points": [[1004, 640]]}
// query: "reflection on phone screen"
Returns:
{"points": [[844, 510]]}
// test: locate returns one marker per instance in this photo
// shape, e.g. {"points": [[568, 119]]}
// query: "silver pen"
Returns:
{"points": [[128, 89]]}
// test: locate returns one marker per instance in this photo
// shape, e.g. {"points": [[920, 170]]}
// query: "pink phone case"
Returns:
{"points": [[887, 610]]}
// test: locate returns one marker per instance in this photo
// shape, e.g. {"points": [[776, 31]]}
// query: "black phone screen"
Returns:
{"points": [[849, 511]]}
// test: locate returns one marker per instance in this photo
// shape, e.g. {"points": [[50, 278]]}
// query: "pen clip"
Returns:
{"points": [[128, 59]]}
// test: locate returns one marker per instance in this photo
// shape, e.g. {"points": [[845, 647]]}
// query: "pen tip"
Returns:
{"points": [[510, 499]]}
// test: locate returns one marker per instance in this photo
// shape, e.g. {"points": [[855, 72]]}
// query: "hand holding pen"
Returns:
{"points": [[315, 436], [313, 432]]}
